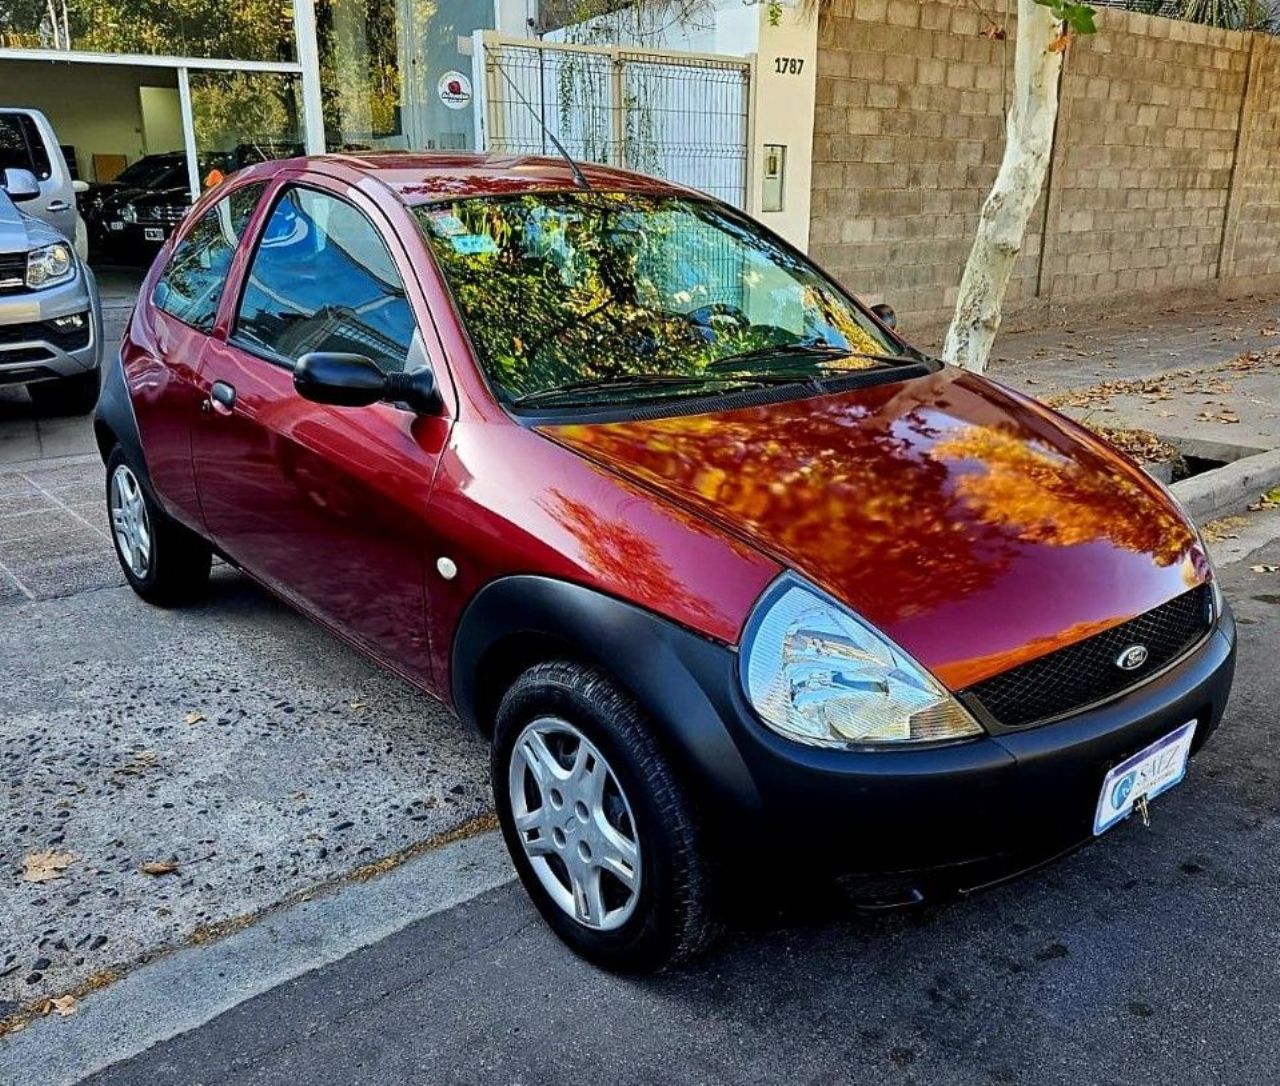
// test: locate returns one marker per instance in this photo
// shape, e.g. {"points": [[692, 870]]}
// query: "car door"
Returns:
{"points": [[166, 338], [27, 141], [326, 505]]}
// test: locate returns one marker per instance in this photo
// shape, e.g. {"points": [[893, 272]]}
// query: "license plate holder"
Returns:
{"points": [[1154, 769]]}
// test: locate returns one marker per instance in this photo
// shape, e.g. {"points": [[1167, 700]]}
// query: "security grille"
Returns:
{"points": [[681, 117], [1086, 672]]}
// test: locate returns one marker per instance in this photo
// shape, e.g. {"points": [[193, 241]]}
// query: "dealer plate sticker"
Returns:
{"points": [[1152, 770]]}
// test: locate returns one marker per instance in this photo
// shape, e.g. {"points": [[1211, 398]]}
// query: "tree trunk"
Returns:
{"points": [[1028, 147]]}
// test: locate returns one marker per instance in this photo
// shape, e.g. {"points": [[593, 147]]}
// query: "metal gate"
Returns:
{"points": [[684, 117]]}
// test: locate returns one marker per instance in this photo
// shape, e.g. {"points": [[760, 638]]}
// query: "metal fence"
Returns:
{"points": [[682, 117]]}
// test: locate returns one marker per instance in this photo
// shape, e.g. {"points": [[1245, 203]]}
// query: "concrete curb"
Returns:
{"points": [[1228, 489], [184, 990]]}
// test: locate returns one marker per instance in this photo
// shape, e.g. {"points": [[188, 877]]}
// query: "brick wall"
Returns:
{"points": [[1253, 243], [1151, 173]]}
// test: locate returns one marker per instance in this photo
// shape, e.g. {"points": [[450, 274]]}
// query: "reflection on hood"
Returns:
{"points": [[20, 232]]}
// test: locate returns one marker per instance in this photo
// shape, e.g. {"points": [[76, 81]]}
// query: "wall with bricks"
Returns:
{"points": [[1252, 245], [1166, 165]]}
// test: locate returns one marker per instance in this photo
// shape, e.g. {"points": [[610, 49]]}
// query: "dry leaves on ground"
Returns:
{"points": [[46, 865], [159, 867], [1142, 445], [1163, 386], [1269, 500], [63, 1006], [193, 718], [1264, 569]]}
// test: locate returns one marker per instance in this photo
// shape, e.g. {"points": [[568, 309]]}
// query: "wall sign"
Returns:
{"points": [[788, 65], [454, 89]]}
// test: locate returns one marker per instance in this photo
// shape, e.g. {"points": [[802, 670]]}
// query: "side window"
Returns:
{"points": [[191, 285], [323, 280], [22, 146]]}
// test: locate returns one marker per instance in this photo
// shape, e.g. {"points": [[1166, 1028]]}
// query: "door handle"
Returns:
{"points": [[58, 205], [222, 398]]}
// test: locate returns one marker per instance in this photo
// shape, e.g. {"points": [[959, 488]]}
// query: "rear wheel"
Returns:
{"points": [[66, 395], [600, 829], [164, 562]]}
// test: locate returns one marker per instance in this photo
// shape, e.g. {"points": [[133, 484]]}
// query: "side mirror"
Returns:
{"points": [[78, 186], [20, 184], [885, 314], [352, 380]]}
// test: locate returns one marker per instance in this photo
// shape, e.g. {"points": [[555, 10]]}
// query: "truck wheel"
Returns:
{"points": [[600, 829], [164, 562]]}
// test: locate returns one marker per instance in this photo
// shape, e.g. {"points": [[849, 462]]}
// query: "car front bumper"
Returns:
{"points": [[950, 817], [31, 348]]}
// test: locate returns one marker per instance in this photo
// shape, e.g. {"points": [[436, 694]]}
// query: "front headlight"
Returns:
{"points": [[49, 266], [818, 674]]}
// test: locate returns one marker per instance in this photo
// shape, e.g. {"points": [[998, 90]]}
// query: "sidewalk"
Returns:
{"points": [[1209, 372]]}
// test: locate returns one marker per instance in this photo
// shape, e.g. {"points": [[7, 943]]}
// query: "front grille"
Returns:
{"points": [[13, 272], [1086, 672], [71, 339], [169, 214]]}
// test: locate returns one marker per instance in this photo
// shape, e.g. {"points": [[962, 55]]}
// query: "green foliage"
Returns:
{"points": [[1078, 18], [775, 12], [1229, 14]]}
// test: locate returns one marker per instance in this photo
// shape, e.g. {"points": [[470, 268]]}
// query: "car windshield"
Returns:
{"points": [[608, 297]]}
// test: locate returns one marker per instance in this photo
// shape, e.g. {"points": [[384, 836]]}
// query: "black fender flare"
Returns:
{"points": [[113, 418], [683, 681]]}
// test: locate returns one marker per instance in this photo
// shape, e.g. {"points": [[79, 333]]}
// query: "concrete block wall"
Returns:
{"points": [[1166, 166], [908, 134], [1252, 246]]}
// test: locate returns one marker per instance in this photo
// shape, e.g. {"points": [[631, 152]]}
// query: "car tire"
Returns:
{"points": [[576, 715], [164, 562], [67, 395]]}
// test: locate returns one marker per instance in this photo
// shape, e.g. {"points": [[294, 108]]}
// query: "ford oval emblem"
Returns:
{"points": [[1132, 658]]}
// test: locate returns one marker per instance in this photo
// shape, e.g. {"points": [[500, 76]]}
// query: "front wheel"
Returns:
{"points": [[600, 829], [163, 562]]}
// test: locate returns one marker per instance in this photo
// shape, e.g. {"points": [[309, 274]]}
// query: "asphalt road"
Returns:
{"points": [[1148, 958]]}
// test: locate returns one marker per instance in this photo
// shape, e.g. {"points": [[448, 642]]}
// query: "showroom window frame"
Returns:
{"points": [[306, 66]]}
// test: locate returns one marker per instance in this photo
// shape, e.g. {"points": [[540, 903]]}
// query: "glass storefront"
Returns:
{"points": [[393, 75], [259, 30], [245, 117]]}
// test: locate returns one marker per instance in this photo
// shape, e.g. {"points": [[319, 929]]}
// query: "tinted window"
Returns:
{"points": [[192, 283], [21, 147], [323, 280]]}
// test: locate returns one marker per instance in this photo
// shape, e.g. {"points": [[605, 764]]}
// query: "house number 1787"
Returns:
{"points": [[788, 65]]}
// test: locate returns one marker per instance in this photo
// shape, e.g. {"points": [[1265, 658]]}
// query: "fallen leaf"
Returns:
{"points": [[357, 705], [64, 1006], [193, 718], [1264, 569], [159, 867], [46, 866]]}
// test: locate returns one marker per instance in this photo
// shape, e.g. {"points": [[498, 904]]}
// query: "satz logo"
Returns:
{"points": [[1132, 658]]}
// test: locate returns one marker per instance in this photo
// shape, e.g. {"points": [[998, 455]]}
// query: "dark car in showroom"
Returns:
{"points": [[732, 578], [130, 218]]}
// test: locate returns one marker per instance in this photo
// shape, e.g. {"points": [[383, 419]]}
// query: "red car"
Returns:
{"points": [[735, 579]]}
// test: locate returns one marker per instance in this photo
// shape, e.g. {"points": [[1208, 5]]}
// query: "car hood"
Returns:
{"points": [[19, 232], [972, 525]]}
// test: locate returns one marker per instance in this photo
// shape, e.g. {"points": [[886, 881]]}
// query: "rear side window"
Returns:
{"points": [[323, 279], [21, 147], [191, 285]]}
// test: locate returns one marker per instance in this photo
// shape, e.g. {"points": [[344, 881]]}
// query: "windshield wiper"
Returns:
{"points": [[789, 352], [618, 382], [623, 382]]}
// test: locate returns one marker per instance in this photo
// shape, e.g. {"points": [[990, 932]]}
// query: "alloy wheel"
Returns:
{"points": [[575, 824], [130, 521]]}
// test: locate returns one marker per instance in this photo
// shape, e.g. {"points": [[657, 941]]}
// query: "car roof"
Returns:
{"points": [[424, 177]]}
